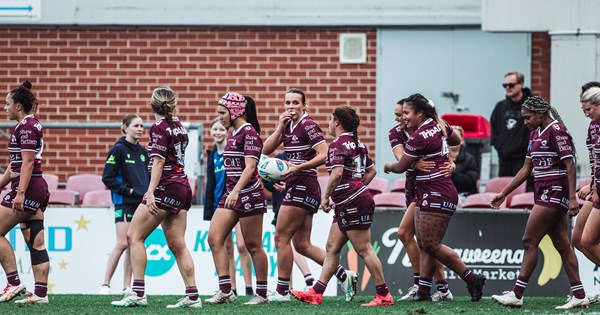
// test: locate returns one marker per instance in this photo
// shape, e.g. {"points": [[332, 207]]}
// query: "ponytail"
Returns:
{"points": [[251, 116]]}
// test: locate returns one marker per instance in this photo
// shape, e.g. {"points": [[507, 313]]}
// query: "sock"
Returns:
{"points": [[234, 291], [520, 286], [308, 278], [319, 287], [192, 293], [261, 288], [41, 289], [225, 284], [577, 289], [468, 276], [138, 287], [382, 289], [442, 286], [424, 287], [283, 286], [416, 278], [249, 291], [340, 273], [13, 278]]}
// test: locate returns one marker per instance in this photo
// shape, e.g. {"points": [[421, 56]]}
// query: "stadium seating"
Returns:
{"points": [[51, 180], [398, 185], [84, 183], [390, 199], [584, 182], [97, 198], [63, 197], [378, 185], [481, 200], [495, 185], [522, 201]]}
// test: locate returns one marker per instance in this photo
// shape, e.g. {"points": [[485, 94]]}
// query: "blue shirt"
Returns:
{"points": [[220, 177]]}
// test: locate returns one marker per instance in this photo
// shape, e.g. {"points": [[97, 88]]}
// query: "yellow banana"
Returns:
{"points": [[552, 261]]}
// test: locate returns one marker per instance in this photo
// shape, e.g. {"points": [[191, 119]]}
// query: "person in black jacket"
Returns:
{"points": [[215, 188], [126, 175], [509, 135], [466, 171]]}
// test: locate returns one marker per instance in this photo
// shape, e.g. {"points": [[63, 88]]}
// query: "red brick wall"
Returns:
{"points": [[101, 74], [540, 64]]}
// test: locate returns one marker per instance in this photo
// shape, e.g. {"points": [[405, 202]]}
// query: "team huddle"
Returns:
{"points": [[420, 142]]}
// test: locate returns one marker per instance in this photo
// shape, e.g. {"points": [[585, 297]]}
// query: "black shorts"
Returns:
{"points": [[124, 213]]}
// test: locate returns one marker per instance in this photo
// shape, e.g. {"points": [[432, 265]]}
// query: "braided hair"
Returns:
{"points": [[164, 102], [23, 95], [536, 104], [349, 120]]}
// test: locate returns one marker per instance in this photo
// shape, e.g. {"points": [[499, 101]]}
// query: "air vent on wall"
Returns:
{"points": [[353, 48]]}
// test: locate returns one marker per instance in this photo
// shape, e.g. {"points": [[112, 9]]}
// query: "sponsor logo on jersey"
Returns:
{"points": [[111, 160]]}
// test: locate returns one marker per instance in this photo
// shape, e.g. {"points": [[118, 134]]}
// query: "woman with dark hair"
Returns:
{"points": [[435, 194], [305, 149], [398, 136], [244, 201], [351, 169], [166, 203], [550, 155], [215, 188], [27, 199], [126, 175]]}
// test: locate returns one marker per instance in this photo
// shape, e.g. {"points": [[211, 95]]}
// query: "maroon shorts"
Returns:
{"points": [[410, 191], [36, 195], [248, 203], [437, 196], [552, 194], [172, 197], [356, 214], [303, 192]]}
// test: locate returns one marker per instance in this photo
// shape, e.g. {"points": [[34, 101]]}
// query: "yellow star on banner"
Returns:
{"points": [[51, 287], [62, 265], [82, 223]]}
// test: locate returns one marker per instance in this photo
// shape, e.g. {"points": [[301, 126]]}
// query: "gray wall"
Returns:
{"points": [[256, 13]]}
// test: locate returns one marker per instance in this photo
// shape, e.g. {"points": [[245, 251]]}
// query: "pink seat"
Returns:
{"points": [[522, 201], [63, 197], [390, 199], [97, 198], [378, 185], [51, 180], [481, 200], [323, 180], [584, 182], [399, 185], [84, 183], [495, 185]]}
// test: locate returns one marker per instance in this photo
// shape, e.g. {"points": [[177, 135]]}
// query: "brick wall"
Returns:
{"points": [[540, 64], [101, 74]]}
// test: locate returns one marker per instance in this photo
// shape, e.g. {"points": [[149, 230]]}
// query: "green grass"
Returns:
{"points": [[95, 304]]}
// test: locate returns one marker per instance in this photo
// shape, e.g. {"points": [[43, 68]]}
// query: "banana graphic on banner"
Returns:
{"points": [[552, 262]]}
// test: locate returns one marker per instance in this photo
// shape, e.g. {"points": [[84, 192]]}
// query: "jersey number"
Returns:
{"points": [[359, 166]]}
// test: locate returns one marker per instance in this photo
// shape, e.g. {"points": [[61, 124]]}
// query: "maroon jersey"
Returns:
{"points": [[242, 143], [343, 152], [300, 140], [27, 136], [596, 165], [169, 144], [429, 142], [592, 137], [398, 137], [546, 150]]}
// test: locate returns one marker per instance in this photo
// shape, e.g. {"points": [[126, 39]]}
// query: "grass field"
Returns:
{"points": [[94, 304]]}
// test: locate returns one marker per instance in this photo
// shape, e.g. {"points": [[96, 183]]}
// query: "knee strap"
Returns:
{"points": [[37, 256]]}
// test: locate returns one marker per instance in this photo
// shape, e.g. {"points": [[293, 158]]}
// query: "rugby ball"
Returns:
{"points": [[271, 169]]}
